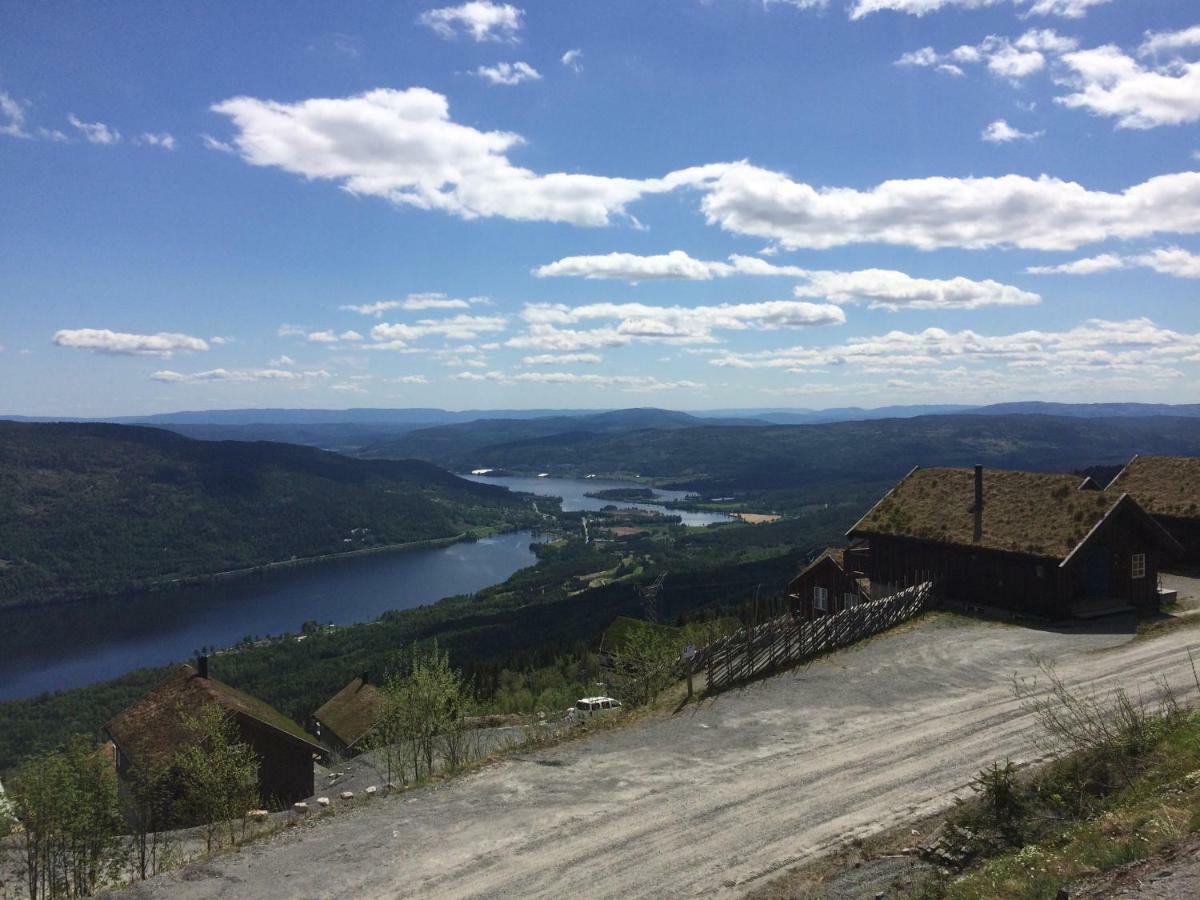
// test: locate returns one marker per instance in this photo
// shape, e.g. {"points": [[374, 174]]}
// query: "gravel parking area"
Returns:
{"points": [[716, 799]]}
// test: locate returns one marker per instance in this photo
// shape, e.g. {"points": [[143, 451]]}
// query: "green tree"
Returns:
{"points": [[217, 775], [67, 802]]}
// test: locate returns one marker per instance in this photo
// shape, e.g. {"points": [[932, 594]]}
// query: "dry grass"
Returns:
{"points": [[1163, 485]]}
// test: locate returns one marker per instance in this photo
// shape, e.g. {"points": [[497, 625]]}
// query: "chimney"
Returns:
{"points": [[202, 666], [363, 676], [978, 508]]}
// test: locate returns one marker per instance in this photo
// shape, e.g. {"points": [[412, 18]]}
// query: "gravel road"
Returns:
{"points": [[716, 799]]}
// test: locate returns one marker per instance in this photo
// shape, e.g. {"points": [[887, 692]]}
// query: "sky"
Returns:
{"points": [[686, 204]]}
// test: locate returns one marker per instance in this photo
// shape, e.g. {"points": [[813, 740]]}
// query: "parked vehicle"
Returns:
{"points": [[588, 707]]}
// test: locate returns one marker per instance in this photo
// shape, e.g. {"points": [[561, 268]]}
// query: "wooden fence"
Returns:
{"points": [[783, 642]]}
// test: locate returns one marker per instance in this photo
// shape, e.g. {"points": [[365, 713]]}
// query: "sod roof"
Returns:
{"points": [[1023, 512], [1163, 485], [351, 712], [154, 724]]}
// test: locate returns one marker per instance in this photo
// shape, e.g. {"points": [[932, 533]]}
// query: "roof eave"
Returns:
{"points": [[891, 490]]}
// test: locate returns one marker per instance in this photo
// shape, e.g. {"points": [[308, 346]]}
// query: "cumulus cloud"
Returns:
{"points": [[410, 303], [480, 20], [239, 375], [1011, 58], [12, 117], [283, 360], [1041, 213], [119, 343], [461, 327], [213, 144], [627, 383], [508, 74], [1066, 9], [560, 359], [409, 379], [1173, 261], [403, 146], [162, 140], [573, 60], [1109, 82], [1000, 132], [95, 132], [881, 288], [1160, 41], [1097, 348]]}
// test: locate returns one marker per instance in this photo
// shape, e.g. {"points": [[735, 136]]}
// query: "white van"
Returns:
{"points": [[592, 706]]}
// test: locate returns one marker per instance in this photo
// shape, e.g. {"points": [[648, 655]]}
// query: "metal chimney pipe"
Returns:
{"points": [[978, 508], [363, 676], [202, 666]]}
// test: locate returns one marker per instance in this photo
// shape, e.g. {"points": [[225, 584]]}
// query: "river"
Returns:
{"points": [[573, 491], [54, 648]]}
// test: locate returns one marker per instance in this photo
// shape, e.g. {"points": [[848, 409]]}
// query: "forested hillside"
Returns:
{"points": [[819, 457], [90, 509]]}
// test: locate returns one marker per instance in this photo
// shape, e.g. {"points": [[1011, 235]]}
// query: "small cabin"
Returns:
{"points": [[1028, 544], [154, 727], [343, 723], [827, 585], [1167, 487]]}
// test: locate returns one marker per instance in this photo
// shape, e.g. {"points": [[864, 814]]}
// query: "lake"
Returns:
{"points": [[67, 646], [572, 491]]}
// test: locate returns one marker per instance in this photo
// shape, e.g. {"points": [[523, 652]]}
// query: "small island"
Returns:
{"points": [[623, 495]]}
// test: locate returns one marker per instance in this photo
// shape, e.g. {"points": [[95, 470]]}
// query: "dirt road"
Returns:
{"points": [[714, 800]]}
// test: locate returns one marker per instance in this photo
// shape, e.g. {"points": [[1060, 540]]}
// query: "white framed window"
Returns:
{"points": [[849, 600], [821, 599], [1139, 565]]}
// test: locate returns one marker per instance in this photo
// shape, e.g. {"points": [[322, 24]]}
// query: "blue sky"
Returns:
{"points": [[683, 204]]}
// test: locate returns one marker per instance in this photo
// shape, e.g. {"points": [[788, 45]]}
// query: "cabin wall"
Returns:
{"points": [[285, 769], [972, 576], [1187, 532], [829, 576], [1104, 568]]}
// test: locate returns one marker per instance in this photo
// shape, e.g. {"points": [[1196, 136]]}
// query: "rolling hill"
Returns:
{"points": [[91, 509]]}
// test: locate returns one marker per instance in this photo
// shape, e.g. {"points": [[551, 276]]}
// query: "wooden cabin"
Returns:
{"points": [[827, 585], [1029, 544], [345, 720], [154, 726], [1167, 487]]}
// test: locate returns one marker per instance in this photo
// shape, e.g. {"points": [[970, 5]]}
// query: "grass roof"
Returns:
{"points": [[1163, 485], [351, 712], [1023, 512], [154, 724]]}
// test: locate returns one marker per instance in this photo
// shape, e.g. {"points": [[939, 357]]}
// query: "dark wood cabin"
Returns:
{"points": [[153, 726], [1029, 544], [345, 720], [826, 586], [1167, 487]]}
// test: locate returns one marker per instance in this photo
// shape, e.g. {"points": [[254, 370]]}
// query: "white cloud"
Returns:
{"points": [[481, 20], [213, 144], [12, 117], [566, 340], [95, 132], [239, 375], [322, 337], [402, 145], [1108, 82], [279, 361], [1097, 347], [1103, 263], [508, 74], [573, 60], [1041, 213], [627, 383], [102, 340], [410, 379], [1011, 58], [461, 327], [410, 303], [286, 330], [881, 288], [162, 139], [1158, 41], [1173, 261], [560, 359], [1067, 9], [1000, 132]]}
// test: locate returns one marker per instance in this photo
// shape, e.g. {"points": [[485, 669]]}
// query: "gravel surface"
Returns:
{"points": [[716, 799]]}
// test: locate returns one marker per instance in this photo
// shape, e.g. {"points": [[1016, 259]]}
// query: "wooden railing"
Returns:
{"points": [[783, 642]]}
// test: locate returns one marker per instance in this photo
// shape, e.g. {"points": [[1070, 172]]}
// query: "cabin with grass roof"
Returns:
{"points": [[153, 729], [344, 722], [826, 586], [1167, 487], [1028, 544]]}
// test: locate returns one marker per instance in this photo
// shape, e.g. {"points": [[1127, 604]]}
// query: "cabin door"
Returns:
{"points": [[1095, 574]]}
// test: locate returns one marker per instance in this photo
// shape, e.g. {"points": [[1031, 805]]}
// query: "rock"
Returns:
{"points": [[347, 795], [301, 807], [322, 801], [257, 815], [371, 790]]}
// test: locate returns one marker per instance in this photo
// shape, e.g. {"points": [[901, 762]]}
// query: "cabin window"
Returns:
{"points": [[821, 599], [1139, 565], [849, 600]]}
